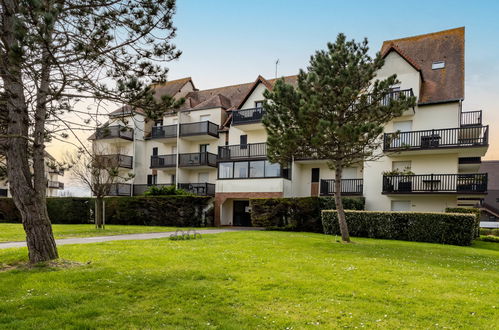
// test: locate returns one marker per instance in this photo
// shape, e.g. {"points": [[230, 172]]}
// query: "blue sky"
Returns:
{"points": [[230, 42]]}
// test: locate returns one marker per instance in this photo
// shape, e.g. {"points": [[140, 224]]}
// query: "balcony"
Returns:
{"points": [[164, 133], [120, 189], [463, 137], [243, 151], [201, 189], [199, 130], [198, 159], [140, 189], [471, 118], [393, 95], [435, 184], [55, 185], [164, 161], [114, 132], [349, 187], [115, 160], [247, 116]]}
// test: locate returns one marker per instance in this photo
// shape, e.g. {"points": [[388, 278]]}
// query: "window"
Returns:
{"points": [[155, 151], [497, 200], [272, 170], [152, 179], [241, 170], [203, 147], [438, 65], [315, 174], [204, 118], [258, 104], [257, 169], [225, 170], [173, 178], [401, 206], [158, 123], [243, 139]]}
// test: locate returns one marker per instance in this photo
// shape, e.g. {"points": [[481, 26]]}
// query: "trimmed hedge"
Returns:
{"points": [[182, 211], [445, 228], [467, 211], [296, 214], [61, 210]]}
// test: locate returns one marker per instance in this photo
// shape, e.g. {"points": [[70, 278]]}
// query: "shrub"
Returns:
{"points": [[473, 210], [182, 211], [445, 228], [489, 231], [296, 214], [165, 191]]}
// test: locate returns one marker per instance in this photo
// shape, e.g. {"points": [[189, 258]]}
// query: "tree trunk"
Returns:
{"points": [[345, 236], [99, 212]]}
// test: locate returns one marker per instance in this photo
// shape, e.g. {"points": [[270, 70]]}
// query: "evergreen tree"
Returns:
{"points": [[337, 111]]}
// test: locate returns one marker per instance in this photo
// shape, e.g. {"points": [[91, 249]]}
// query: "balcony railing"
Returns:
{"points": [[243, 151], [117, 131], [435, 183], [164, 161], [471, 118], [116, 160], [199, 128], [162, 132], [247, 116], [198, 159], [394, 95], [140, 189], [437, 138], [55, 185], [348, 187], [202, 189], [120, 189]]}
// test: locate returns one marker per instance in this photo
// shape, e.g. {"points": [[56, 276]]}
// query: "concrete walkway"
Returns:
{"points": [[98, 239]]}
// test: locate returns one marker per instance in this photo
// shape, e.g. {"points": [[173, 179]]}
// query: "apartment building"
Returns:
{"points": [[216, 144], [54, 185]]}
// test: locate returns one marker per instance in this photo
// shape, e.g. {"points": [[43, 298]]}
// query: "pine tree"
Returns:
{"points": [[337, 111]]}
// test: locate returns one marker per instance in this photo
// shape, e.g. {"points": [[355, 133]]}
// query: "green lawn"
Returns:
{"points": [[256, 279], [14, 232]]}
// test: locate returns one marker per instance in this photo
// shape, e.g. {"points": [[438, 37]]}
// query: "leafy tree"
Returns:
{"points": [[337, 111], [53, 55]]}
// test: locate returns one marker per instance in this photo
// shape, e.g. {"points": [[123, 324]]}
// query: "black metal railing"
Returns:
{"points": [[348, 187], [120, 189], [197, 159], [199, 128], [247, 116], [435, 183], [140, 189], [243, 151], [117, 131], [116, 160], [471, 118], [164, 161], [202, 189], [437, 138], [3, 192], [394, 95], [55, 184], [161, 132], [469, 160]]}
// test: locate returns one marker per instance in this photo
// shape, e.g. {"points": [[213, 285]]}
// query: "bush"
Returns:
{"points": [[467, 211], [489, 231], [182, 211], [445, 228], [296, 214], [166, 191], [61, 210]]}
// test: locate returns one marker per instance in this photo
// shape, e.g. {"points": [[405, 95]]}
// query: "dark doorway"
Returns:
{"points": [[241, 215]]}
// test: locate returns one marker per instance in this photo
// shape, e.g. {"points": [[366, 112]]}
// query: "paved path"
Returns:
{"points": [[97, 239]]}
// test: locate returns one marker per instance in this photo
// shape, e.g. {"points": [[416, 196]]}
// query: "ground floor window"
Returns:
{"points": [[252, 169]]}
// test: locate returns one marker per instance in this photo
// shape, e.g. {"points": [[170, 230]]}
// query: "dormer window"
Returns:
{"points": [[438, 65]]}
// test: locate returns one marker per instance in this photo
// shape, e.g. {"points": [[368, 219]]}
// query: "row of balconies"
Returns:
{"points": [[415, 184], [128, 189]]}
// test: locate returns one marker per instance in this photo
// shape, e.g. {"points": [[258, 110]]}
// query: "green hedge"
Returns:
{"points": [[62, 210], [297, 214], [182, 211], [445, 228], [468, 210]]}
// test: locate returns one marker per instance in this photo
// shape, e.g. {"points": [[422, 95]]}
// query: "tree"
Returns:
{"points": [[53, 55], [336, 112], [100, 172]]}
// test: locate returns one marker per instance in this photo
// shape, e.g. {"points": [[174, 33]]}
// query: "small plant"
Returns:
{"points": [[405, 171]]}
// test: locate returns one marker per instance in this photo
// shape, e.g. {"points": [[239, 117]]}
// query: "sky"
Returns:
{"points": [[227, 42]]}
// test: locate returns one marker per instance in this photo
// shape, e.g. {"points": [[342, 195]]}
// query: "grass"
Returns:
{"points": [[246, 280], [11, 232]]}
